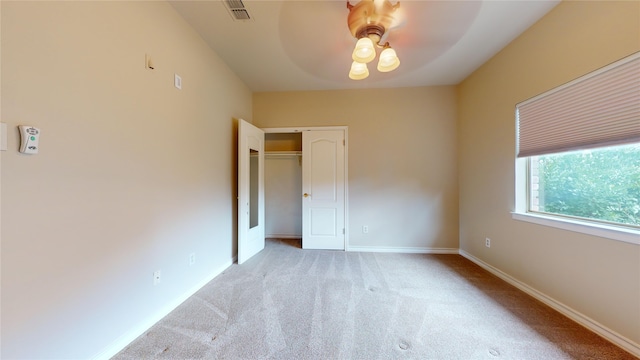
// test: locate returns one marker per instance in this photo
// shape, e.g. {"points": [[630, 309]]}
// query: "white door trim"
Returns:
{"points": [[303, 128]]}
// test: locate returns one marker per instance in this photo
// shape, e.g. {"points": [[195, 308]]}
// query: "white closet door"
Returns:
{"points": [[323, 186], [250, 191]]}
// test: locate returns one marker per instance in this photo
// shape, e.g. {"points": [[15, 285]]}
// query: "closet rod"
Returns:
{"points": [[283, 153]]}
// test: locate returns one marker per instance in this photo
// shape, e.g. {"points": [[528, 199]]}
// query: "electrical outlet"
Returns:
{"points": [[192, 259], [365, 229], [487, 242], [156, 277]]}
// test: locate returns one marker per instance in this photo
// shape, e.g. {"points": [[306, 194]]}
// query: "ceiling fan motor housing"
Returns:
{"points": [[371, 18]]}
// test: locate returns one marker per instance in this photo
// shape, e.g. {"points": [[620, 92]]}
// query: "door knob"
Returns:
{"points": [[305, 195]]}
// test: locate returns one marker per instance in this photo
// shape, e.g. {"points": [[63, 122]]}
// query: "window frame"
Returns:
{"points": [[601, 109], [521, 212]]}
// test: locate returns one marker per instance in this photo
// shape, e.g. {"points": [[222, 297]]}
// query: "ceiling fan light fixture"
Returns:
{"points": [[388, 60], [364, 51], [358, 71], [368, 22]]}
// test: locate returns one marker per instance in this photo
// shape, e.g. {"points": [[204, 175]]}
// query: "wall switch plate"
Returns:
{"points": [[156, 277], [3, 137], [192, 259], [177, 81]]}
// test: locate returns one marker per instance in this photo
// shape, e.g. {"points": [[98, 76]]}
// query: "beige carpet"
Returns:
{"points": [[288, 303]]}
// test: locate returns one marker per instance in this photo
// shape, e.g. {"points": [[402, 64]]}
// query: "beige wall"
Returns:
{"points": [[283, 186], [402, 159], [133, 175], [597, 277]]}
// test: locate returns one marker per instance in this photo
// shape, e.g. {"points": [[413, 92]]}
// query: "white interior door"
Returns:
{"points": [[323, 202], [250, 191]]}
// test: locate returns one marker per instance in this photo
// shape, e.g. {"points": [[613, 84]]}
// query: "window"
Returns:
{"points": [[600, 184], [578, 154]]}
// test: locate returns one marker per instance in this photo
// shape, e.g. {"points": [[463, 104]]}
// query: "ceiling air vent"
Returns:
{"points": [[237, 10]]}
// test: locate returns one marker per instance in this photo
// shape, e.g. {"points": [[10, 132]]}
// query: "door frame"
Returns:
{"points": [[345, 130]]}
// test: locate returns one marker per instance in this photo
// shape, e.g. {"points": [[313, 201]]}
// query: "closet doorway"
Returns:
{"points": [[306, 185], [311, 197]]}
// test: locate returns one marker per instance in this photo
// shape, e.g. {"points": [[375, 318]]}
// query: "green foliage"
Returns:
{"points": [[601, 184]]}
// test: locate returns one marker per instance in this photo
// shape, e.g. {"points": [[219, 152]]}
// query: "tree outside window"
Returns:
{"points": [[599, 184]]}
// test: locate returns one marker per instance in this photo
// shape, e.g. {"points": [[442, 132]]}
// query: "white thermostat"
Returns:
{"points": [[29, 137]]}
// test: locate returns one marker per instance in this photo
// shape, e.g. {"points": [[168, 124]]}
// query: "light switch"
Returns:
{"points": [[177, 81]]}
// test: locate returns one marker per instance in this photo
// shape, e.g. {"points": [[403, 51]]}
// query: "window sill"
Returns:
{"points": [[610, 232]]}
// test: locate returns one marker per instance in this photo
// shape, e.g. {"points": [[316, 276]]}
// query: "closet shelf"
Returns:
{"points": [[282, 153]]}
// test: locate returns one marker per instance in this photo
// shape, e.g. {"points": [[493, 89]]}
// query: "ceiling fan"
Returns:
{"points": [[370, 21], [320, 42]]}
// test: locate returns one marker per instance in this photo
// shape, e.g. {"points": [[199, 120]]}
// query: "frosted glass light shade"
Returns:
{"points": [[358, 71], [388, 60], [364, 51]]}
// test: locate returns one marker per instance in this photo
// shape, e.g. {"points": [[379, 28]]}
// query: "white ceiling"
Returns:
{"points": [[306, 44]]}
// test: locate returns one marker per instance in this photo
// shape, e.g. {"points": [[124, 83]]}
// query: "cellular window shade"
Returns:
{"points": [[599, 109]]}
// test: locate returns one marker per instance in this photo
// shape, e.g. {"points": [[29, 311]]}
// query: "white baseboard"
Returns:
{"points": [[574, 315], [132, 334], [403, 250]]}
